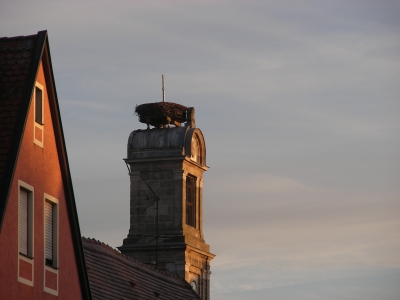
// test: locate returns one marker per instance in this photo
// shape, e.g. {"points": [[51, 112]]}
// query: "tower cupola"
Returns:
{"points": [[166, 165]]}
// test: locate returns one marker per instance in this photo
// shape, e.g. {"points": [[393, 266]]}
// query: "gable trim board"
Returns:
{"points": [[41, 52]]}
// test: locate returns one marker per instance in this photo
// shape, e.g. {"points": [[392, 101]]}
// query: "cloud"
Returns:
{"points": [[298, 103]]}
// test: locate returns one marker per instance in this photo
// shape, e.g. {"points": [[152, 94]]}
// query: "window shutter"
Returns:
{"points": [[23, 222], [48, 221]]}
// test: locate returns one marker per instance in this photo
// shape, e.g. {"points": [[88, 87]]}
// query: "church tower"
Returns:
{"points": [[166, 165]]}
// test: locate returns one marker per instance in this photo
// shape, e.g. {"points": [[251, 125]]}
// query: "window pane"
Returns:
{"points": [[39, 104], [196, 151], [191, 200]]}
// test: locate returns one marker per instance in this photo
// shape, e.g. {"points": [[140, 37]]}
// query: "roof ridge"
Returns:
{"points": [[18, 37]]}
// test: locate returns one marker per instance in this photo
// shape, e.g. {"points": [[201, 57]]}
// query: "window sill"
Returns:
{"points": [[51, 266], [25, 255]]}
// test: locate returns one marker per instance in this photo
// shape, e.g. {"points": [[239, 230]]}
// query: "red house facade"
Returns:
{"points": [[41, 254]]}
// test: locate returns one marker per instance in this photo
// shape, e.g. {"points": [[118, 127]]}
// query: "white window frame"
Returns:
{"points": [[29, 256], [54, 267], [36, 124]]}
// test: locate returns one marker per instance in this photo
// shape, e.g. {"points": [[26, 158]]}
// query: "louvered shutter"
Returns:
{"points": [[48, 221], [23, 222]]}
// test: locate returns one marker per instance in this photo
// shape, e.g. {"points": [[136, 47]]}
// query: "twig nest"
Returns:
{"points": [[161, 113]]}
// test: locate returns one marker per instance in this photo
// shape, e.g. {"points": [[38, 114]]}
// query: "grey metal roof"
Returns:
{"points": [[158, 138], [163, 142], [113, 275]]}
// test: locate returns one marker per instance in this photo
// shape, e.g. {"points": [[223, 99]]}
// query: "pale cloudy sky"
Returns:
{"points": [[299, 105]]}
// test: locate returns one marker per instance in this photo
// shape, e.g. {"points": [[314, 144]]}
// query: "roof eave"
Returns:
{"points": [[66, 174]]}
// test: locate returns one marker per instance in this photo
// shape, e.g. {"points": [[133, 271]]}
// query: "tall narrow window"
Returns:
{"points": [[48, 221], [191, 200], [196, 154], [38, 105], [25, 233], [50, 232], [25, 222], [38, 133]]}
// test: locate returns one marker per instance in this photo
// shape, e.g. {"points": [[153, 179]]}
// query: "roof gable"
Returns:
{"points": [[20, 58]]}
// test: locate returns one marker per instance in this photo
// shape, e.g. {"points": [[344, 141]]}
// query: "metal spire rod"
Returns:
{"points": [[163, 89]]}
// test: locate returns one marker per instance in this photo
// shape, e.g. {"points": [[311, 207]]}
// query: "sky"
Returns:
{"points": [[299, 105]]}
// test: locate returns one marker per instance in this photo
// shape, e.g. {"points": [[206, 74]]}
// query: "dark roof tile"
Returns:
{"points": [[113, 275], [15, 58]]}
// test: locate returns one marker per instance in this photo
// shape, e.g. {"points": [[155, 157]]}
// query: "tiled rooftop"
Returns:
{"points": [[113, 275], [15, 58]]}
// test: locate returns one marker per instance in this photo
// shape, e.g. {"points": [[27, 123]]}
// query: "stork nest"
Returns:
{"points": [[158, 110]]}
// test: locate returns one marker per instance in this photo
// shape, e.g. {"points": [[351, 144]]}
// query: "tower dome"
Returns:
{"points": [[166, 165], [185, 142]]}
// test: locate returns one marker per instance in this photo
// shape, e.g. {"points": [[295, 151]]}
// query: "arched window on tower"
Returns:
{"points": [[196, 154], [191, 200]]}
